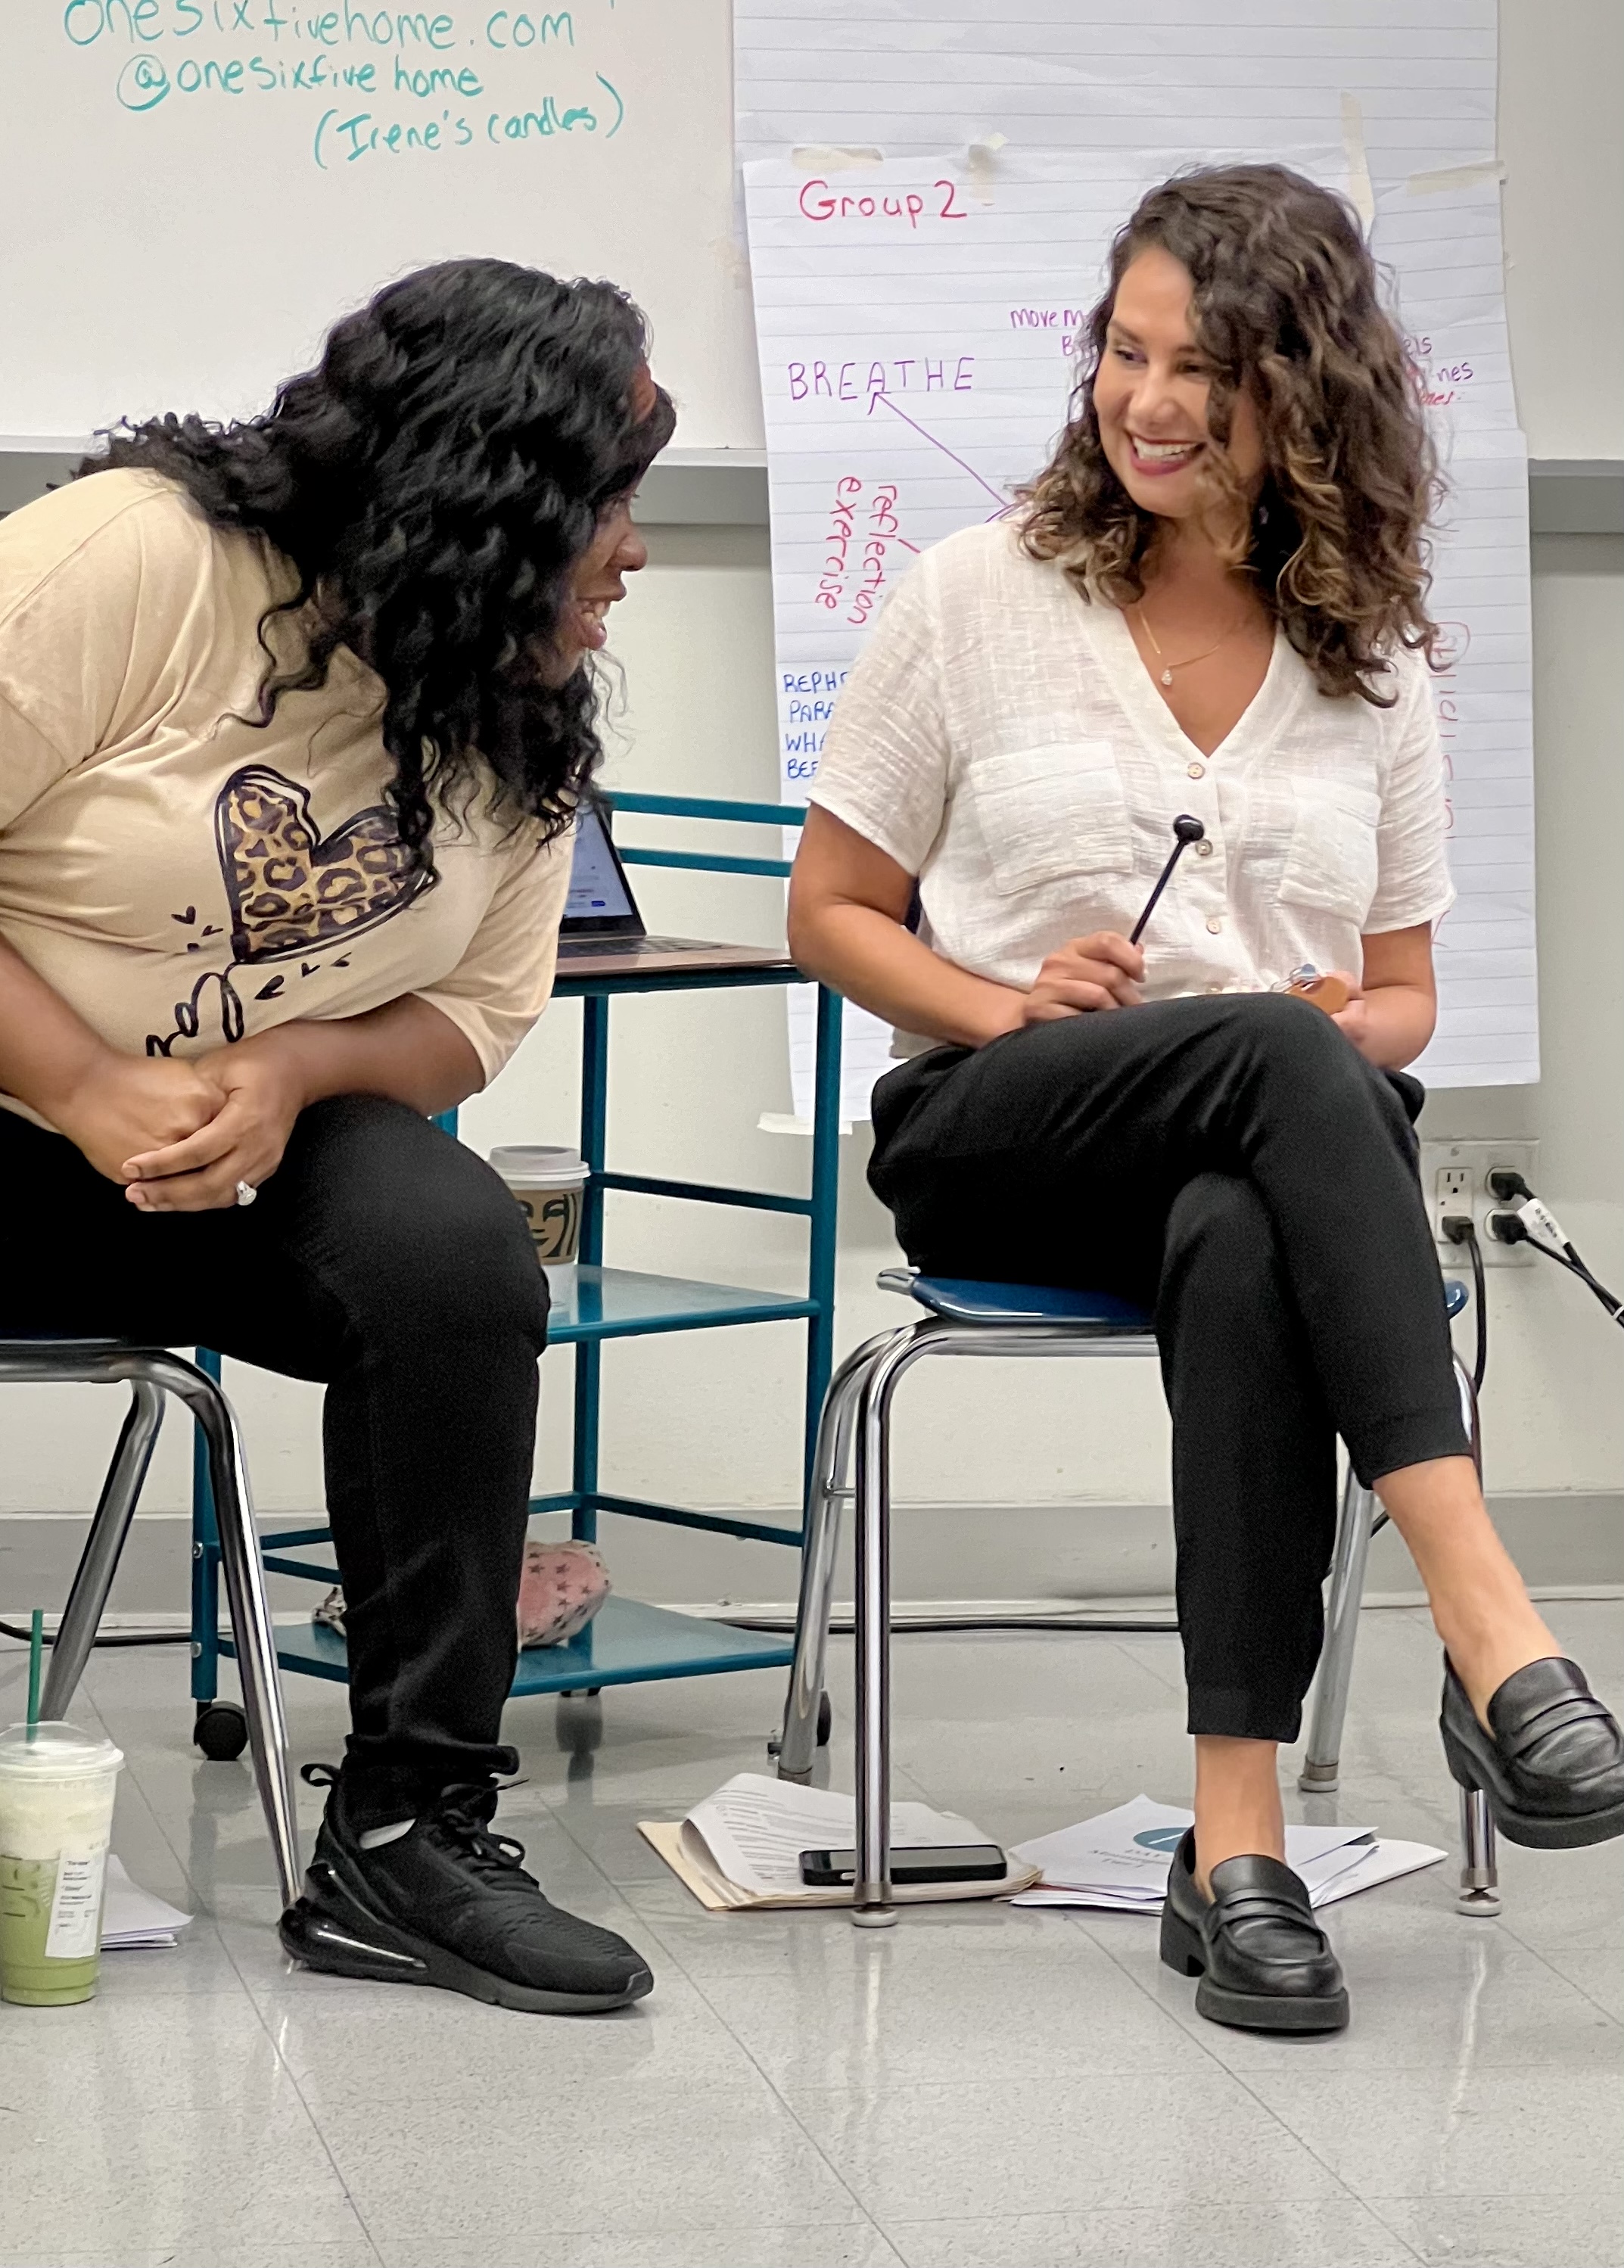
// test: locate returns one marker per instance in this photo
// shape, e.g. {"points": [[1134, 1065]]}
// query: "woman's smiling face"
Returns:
{"points": [[1152, 392], [617, 549]]}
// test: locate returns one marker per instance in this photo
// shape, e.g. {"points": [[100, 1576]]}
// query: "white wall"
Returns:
{"points": [[1561, 142]]}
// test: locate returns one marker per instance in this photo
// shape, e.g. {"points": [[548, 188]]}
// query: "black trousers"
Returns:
{"points": [[1232, 1164], [389, 1263]]}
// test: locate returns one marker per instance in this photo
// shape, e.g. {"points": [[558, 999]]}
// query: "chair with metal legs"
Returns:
{"points": [[1002, 1319], [151, 1373]]}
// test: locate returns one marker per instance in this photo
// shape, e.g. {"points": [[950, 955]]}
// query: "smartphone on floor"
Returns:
{"points": [[955, 1862]]}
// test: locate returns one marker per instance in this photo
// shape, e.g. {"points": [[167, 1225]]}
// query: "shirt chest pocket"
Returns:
{"points": [[1330, 862], [1047, 814]]}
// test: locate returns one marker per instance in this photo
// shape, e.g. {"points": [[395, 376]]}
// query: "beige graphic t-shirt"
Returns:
{"points": [[182, 878]]}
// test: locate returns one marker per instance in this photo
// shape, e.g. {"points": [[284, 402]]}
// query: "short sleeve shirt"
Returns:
{"points": [[183, 876], [1001, 739]]}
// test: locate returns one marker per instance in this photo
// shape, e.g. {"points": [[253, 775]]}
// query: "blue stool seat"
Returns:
{"points": [[964, 1302]]}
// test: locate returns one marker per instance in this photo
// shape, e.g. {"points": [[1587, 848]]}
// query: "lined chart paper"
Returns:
{"points": [[918, 306], [1488, 1032], [921, 74]]}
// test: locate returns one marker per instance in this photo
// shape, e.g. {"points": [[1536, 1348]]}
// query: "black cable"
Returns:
{"points": [[109, 1638], [842, 1626], [1479, 1364], [1512, 1228], [1571, 1261], [1460, 1229]]}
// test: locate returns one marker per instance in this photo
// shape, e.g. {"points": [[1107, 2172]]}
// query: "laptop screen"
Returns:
{"points": [[597, 891]]}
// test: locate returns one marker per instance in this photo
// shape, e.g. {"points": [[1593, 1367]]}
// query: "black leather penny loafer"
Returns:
{"points": [[1552, 1764], [1263, 1961]]}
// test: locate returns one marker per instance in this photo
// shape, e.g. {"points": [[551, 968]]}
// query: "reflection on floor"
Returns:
{"points": [[978, 2089]]}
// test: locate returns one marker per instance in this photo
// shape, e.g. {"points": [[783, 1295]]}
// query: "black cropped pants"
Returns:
{"points": [[389, 1263], [1232, 1164]]}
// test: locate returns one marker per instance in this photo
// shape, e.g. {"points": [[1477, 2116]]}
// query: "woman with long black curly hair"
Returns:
{"points": [[1212, 602], [294, 717]]}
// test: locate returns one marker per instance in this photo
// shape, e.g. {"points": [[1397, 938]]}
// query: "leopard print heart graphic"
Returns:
{"points": [[292, 889]]}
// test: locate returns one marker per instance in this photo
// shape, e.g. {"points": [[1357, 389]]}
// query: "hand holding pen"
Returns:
{"points": [[1104, 970]]}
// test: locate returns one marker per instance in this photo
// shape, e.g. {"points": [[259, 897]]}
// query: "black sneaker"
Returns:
{"points": [[449, 1904]]}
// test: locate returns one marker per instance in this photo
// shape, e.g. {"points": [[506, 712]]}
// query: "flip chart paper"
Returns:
{"points": [[1410, 83]]}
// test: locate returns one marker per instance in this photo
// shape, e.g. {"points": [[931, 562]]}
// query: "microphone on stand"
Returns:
{"points": [[1189, 830]]}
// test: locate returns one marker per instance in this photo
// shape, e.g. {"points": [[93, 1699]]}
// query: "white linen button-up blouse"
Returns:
{"points": [[1001, 739]]}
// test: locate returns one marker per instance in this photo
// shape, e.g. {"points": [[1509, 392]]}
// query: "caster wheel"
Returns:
{"points": [[578, 1723], [221, 1732]]}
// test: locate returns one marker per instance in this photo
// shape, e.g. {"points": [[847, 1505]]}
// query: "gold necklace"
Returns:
{"points": [[1168, 667]]}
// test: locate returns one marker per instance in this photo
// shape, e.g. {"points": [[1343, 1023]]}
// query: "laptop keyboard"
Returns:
{"points": [[580, 947]]}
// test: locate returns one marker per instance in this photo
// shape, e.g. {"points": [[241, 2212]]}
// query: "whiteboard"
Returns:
{"points": [[193, 190], [191, 254]]}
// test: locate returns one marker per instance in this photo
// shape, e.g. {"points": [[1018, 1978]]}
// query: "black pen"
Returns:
{"points": [[1189, 830]]}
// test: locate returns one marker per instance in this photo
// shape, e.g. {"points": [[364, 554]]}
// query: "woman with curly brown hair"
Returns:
{"points": [[1214, 602], [295, 714]]}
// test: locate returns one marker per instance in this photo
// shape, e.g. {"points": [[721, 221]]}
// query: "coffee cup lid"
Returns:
{"points": [[55, 1750], [533, 1158], [524, 1163]]}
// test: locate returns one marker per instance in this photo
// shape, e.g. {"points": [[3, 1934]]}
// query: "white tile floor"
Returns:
{"points": [[978, 2089]]}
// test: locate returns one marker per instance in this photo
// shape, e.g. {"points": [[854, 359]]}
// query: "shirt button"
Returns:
{"points": [[1204, 850], [1197, 771], [1214, 924]]}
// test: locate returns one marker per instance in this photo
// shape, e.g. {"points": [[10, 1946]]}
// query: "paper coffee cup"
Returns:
{"points": [[56, 1790], [549, 1183]]}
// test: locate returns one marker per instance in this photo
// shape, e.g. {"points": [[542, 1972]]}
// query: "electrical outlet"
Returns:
{"points": [[1454, 1179]]}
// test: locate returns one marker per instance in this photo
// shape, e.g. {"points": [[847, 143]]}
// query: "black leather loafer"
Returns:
{"points": [[1552, 1764], [1263, 1961]]}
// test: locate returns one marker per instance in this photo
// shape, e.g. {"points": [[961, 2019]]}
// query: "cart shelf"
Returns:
{"points": [[626, 1643], [622, 1303]]}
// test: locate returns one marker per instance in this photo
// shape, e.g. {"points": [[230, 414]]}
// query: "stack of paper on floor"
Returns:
{"points": [[131, 1916], [1120, 1860], [741, 1847]]}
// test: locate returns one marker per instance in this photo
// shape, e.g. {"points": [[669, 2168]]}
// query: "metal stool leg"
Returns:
{"points": [[1479, 1876], [871, 1906], [797, 1742], [98, 1562], [251, 1621], [1322, 1763], [1479, 1894]]}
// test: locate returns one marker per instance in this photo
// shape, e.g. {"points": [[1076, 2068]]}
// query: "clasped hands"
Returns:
{"points": [[181, 1135], [1102, 971]]}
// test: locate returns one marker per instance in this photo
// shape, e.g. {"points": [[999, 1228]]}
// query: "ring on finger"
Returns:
{"points": [[246, 1193]]}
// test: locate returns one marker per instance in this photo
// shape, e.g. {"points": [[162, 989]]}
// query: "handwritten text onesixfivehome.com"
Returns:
{"points": [[378, 82]]}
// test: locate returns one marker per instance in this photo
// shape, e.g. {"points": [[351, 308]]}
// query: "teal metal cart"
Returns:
{"points": [[627, 1643]]}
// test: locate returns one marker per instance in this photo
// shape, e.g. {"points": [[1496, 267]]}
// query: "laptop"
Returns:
{"points": [[604, 934]]}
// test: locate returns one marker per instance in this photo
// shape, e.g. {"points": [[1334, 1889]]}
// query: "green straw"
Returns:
{"points": [[36, 1662]]}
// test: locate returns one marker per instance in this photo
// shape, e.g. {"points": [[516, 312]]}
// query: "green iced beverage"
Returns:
{"points": [[56, 1790], [27, 1972]]}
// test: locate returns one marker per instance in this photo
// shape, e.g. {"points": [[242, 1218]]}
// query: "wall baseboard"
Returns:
{"points": [[1060, 1552]]}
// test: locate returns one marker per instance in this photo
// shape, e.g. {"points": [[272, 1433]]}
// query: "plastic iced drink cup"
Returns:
{"points": [[548, 1182], [56, 1790]]}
